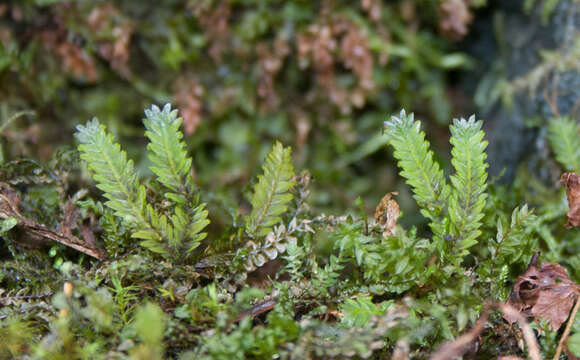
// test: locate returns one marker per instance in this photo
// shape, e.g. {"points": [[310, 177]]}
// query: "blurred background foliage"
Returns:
{"points": [[318, 75]]}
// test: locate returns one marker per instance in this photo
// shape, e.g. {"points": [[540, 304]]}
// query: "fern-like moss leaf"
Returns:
{"points": [[113, 172], [469, 181], [172, 236], [188, 229], [166, 150], [419, 169], [271, 193]]}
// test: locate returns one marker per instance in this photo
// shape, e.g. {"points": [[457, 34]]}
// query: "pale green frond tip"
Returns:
{"points": [[402, 119], [461, 122], [403, 115], [167, 151], [85, 131], [272, 192]]}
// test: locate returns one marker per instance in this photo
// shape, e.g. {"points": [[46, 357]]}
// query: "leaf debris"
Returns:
{"points": [[545, 291], [386, 214], [572, 183]]}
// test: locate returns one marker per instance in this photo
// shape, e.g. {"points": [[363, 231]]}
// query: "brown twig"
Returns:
{"points": [[70, 241], [458, 347], [529, 337], [257, 309], [9, 201], [566, 330]]}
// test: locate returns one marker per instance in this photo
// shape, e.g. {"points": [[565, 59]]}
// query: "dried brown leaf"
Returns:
{"points": [[545, 292], [572, 183], [386, 214], [75, 60], [335, 44], [372, 8], [114, 33], [215, 22], [70, 218], [555, 304]]}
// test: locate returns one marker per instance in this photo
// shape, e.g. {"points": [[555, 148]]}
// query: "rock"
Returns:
{"points": [[511, 52]]}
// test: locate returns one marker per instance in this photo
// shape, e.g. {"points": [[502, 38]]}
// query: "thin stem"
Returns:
{"points": [[567, 330]]}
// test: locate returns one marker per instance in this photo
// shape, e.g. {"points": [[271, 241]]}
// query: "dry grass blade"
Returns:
{"points": [[529, 337]]}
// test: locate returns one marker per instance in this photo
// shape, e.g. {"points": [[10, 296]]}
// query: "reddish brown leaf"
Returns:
{"points": [[455, 18], [188, 96], [373, 9], [572, 183], [74, 59], [114, 33], [328, 46], [546, 293], [555, 304], [214, 18]]}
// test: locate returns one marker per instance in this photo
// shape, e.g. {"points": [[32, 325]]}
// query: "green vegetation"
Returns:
{"points": [[271, 192], [174, 236], [236, 223], [343, 288]]}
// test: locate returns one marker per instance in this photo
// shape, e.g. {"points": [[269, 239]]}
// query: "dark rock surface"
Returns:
{"points": [[508, 43]]}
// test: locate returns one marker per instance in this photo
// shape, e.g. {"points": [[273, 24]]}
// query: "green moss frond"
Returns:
{"points": [[415, 159], [271, 193], [469, 181], [166, 149]]}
